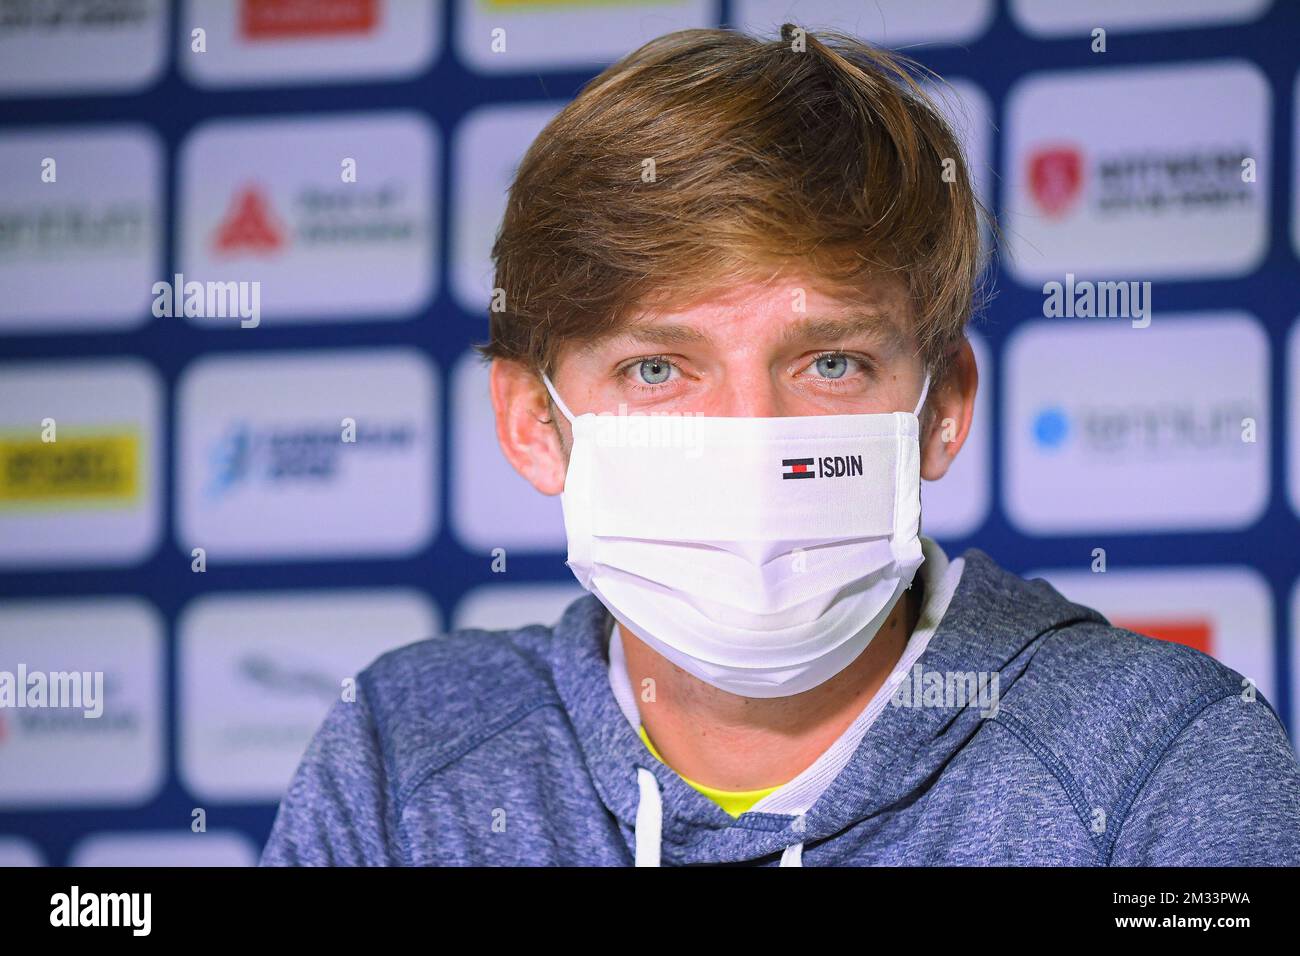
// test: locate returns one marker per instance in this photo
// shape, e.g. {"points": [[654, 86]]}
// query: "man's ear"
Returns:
{"points": [[525, 431], [952, 406]]}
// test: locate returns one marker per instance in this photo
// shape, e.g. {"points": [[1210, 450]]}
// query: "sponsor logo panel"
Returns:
{"points": [[1295, 167], [514, 36], [324, 454], [887, 22], [1293, 415], [80, 227], [258, 673], [1138, 172], [1051, 18], [332, 218], [1110, 428], [274, 42], [104, 748], [58, 47], [80, 474]]}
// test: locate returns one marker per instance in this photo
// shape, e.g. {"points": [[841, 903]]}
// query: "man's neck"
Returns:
{"points": [[741, 743]]}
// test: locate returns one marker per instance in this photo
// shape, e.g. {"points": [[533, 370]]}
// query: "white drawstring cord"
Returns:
{"points": [[793, 855], [649, 819]]}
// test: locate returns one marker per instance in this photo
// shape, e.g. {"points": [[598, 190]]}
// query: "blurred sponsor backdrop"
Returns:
{"points": [[241, 504]]}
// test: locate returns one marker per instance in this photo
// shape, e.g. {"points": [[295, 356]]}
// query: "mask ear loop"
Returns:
{"points": [[559, 402], [925, 390]]}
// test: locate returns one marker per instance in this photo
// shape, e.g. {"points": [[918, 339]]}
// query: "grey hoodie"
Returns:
{"points": [[1105, 748]]}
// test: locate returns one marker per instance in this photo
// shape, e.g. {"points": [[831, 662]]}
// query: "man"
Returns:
{"points": [[768, 251]]}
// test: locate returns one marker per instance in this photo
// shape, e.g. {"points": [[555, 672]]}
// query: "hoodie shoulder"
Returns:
{"points": [[1079, 684], [1090, 683], [417, 709], [436, 699], [1120, 719], [1102, 707]]}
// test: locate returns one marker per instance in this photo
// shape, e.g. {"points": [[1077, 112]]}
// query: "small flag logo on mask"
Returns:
{"points": [[798, 468], [830, 466]]}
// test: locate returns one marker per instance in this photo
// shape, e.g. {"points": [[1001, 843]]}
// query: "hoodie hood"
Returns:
{"points": [[994, 623]]}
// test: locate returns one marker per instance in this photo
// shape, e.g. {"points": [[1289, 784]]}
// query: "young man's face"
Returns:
{"points": [[763, 350]]}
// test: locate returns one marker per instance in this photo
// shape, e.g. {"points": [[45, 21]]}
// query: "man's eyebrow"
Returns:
{"points": [[662, 333], [834, 329], [821, 328]]}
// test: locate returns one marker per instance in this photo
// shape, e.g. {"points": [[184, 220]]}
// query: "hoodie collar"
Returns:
{"points": [[992, 624]]}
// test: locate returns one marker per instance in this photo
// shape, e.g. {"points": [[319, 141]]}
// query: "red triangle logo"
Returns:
{"points": [[249, 225]]}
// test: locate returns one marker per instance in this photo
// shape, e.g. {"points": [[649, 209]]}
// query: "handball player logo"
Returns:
{"points": [[249, 226], [1056, 178]]}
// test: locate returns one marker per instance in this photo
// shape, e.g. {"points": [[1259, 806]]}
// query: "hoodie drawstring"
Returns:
{"points": [[650, 819]]}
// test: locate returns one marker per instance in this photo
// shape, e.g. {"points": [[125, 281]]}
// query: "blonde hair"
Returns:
{"points": [[766, 156]]}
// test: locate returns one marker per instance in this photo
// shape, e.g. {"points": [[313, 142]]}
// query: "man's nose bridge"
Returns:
{"points": [[752, 397]]}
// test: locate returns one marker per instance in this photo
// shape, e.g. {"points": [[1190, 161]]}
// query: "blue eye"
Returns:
{"points": [[832, 364], [654, 371]]}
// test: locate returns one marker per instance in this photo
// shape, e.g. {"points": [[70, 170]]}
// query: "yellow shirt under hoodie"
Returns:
{"points": [[734, 802]]}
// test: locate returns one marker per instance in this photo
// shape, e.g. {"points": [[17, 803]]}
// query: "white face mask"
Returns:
{"points": [[761, 555]]}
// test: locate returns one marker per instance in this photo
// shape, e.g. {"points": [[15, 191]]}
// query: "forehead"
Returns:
{"points": [[780, 313]]}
